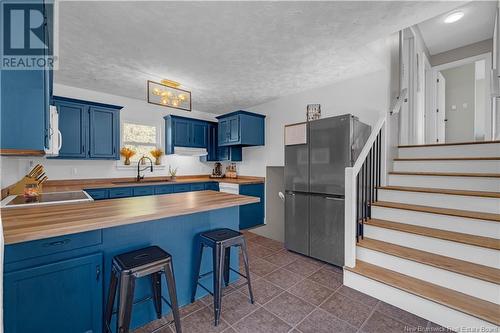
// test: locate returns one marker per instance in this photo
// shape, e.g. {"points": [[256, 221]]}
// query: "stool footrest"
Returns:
{"points": [[207, 290]]}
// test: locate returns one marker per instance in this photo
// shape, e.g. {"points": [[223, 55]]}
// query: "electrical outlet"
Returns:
{"points": [[74, 171]]}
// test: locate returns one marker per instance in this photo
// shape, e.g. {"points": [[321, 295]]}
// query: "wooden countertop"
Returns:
{"points": [[80, 184], [25, 224]]}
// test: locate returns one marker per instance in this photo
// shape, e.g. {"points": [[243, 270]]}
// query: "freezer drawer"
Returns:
{"points": [[327, 229], [297, 222]]}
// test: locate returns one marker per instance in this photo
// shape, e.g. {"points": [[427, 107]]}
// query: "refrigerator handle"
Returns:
{"points": [[333, 198]]}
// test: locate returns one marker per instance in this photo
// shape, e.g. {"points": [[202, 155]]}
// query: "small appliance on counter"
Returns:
{"points": [[217, 171], [231, 171]]}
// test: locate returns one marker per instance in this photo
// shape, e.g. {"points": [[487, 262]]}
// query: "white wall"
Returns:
{"points": [[13, 168]]}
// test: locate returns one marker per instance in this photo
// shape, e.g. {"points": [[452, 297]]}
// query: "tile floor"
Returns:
{"points": [[293, 294]]}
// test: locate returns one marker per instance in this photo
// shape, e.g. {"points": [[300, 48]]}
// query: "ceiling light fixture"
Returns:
{"points": [[453, 17], [167, 93]]}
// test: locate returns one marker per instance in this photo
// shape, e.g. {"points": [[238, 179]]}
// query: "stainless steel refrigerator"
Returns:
{"points": [[316, 155]]}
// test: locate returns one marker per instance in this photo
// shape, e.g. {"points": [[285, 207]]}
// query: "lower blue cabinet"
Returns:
{"points": [[252, 215], [182, 188], [198, 187], [164, 189], [98, 194], [214, 186], [120, 192], [143, 190], [60, 297]]}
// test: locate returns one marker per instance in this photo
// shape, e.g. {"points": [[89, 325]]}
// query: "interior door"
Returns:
{"points": [[326, 235], [297, 222], [441, 108]]}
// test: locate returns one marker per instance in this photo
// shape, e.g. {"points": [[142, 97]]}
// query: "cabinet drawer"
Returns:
{"points": [[143, 190], [98, 194], [182, 188], [120, 192], [164, 189], [214, 186], [43, 247], [198, 187]]}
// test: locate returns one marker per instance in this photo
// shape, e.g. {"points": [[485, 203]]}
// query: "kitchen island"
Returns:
{"points": [[58, 258]]}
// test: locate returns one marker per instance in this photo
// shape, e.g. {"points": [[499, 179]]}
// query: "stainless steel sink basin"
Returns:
{"points": [[141, 181]]}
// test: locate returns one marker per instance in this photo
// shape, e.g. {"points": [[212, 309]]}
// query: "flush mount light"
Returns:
{"points": [[454, 17], [167, 93]]}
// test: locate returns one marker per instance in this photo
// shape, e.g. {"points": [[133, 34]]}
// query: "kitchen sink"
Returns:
{"points": [[142, 181]]}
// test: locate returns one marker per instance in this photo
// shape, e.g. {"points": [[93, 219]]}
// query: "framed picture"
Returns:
{"points": [[313, 111]]}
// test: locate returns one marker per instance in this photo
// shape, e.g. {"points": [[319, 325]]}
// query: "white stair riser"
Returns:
{"points": [[484, 150], [492, 166], [456, 183], [422, 307], [437, 221], [462, 283], [475, 254], [478, 204]]}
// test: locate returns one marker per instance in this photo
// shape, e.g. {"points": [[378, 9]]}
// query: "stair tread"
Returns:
{"points": [[447, 174], [477, 271], [474, 240], [470, 305], [448, 159], [438, 210], [450, 144], [443, 191]]}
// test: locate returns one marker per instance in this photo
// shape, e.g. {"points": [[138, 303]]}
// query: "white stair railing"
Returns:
{"points": [[361, 182]]}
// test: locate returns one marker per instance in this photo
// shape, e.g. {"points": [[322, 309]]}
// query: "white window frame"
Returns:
{"points": [[159, 143]]}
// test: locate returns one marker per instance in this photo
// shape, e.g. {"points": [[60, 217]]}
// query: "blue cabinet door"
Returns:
{"points": [[60, 297], [143, 190], [199, 135], [182, 188], [98, 194], [73, 119], [104, 132], [197, 187], [234, 128], [223, 131], [252, 215], [182, 132], [163, 189], [120, 192]]}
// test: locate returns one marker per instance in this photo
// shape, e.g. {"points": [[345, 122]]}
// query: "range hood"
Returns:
{"points": [[188, 151]]}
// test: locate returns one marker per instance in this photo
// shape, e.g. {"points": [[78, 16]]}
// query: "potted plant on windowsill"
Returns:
{"points": [[127, 153], [157, 153]]}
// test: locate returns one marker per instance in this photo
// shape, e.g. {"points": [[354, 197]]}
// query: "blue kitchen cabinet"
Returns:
{"points": [[59, 297], [198, 187], [104, 132], [252, 215], [241, 128], [24, 102], [185, 132], [73, 124], [219, 153], [164, 189], [120, 192], [98, 194], [178, 188], [89, 130], [213, 186], [143, 190]]}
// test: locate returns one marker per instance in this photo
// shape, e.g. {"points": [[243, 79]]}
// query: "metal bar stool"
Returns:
{"points": [[221, 240], [126, 268]]}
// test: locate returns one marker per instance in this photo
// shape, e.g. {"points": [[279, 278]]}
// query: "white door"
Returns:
{"points": [[441, 108]]}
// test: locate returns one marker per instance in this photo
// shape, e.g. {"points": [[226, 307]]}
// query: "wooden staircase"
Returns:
{"points": [[432, 244]]}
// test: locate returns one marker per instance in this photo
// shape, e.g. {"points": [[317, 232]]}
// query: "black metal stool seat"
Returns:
{"points": [[221, 241], [126, 268]]}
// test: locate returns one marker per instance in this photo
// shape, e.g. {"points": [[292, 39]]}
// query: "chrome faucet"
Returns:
{"points": [[139, 177]]}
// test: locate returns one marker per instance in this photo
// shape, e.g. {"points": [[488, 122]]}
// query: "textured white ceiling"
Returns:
{"points": [[476, 25], [231, 55]]}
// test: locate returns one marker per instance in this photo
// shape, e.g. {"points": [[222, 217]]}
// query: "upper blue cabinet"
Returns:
{"points": [[89, 130], [241, 128], [185, 132], [219, 153], [24, 105]]}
